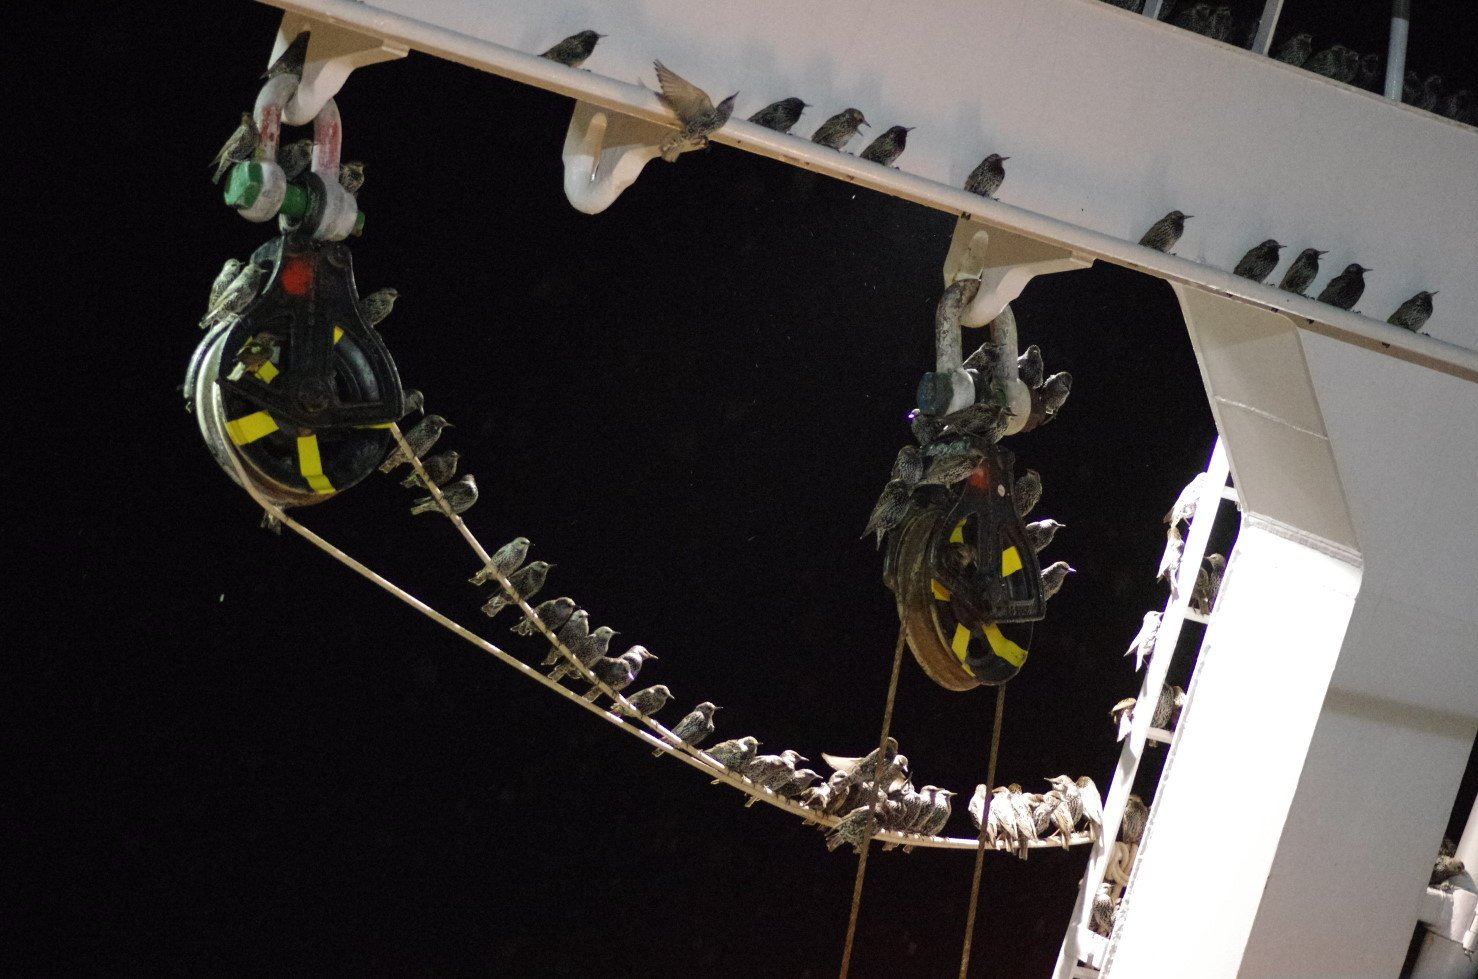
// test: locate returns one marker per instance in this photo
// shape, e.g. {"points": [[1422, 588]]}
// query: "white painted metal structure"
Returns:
{"points": [[1346, 622]]}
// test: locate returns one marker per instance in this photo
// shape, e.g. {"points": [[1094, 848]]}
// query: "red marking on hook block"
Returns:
{"points": [[979, 476], [296, 276]]}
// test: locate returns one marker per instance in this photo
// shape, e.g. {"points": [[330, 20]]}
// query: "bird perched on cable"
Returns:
{"points": [[1136, 814], [1295, 51], [570, 635], [554, 613], [892, 506], [1026, 491], [851, 830], [940, 809], [1054, 393], [888, 147], [1072, 796], [236, 296], [1164, 233], [694, 728], [294, 158], [1344, 289], [439, 468], [587, 652], [573, 50], [413, 400], [1055, 813], [1444, 870], [987, 176], [1208, 583], [1144, 640], [459, 497], [1371, 77], [351, 176], [1302, 271], [1091, 802], [796, 783], [947, 470], [693, 109], [908, 466], [735, 754], [990, 810], [1413, 314], [837, 131], [816, 797], [1102, 919], [1259, 261], [646, 702], [1022, 811], [420, 439], [223, 280], [1039, 533], [506, 559], [1327, 62], [1053, 576], [239, 146], [526, 582], [619, 672], [377, 305], [1029, 367], [780, 116], [290, 61], [1184, 506], [767, 771]]}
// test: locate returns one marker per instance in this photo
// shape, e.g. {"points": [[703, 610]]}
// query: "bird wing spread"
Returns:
{"points": [[681, 95]]}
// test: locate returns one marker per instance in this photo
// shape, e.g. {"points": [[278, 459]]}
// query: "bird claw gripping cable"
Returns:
{"points": [[294, 383]]}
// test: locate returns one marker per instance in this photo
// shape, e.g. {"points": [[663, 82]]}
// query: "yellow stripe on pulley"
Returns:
{"points": [[311, 465], [1003, 647], [1010, 561], [961, 645], [338, 333], [249, 428], [266, 372], [957, 536], [940, 592]]}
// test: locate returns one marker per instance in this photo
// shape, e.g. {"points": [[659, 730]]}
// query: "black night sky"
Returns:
{"points": [[234, 756]]}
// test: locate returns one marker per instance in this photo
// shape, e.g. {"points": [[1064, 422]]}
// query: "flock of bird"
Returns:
{"points": [[1012, 819]]}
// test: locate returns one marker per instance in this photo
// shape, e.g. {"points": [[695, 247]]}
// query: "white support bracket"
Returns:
{"points": [[1004, 262], [604, 153], [333, 52]]}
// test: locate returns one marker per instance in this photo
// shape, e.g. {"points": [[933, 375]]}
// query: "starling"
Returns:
{"points": [[1053, 576], [1054, 393], [694, 728], [526, 583], [983, 419], [780, 116], [1039, 533], [1144, 640], [1344, 289], [1459, 107], [908, 467], [377, 305], [1411, 88], [1327, 62], [940, 809], [860, 768], [507, 559], [734, 754], [290, 61], [294, 158], [693, 109], [1054, 812], [239, 146], [1371, 77], [351, 176], [1295, 50], [767, 771], [1131, 826], [1164, 233], [570, 635], [459, 497], [950, 469], [852, 830], [1349, 66], [440, 468], [236, 296], [420, 439], [987, 176], [797, 782], [839, 129], [413, 400], [1026, 823], [1167, 707], [925, 428], [619, 672], [983, 359], [587, 652], [1091, 802], [1220, 26], [1413, 314], [573, 50], [1072, 796], [1431, 93], [1302, 271], [889, 511], [888, 147], [645, 703], [258, 350], [1444, 870], [1196, 19], [554, 613], [1026, 492], [224, 278], [1447, 848], [1029, 367], [1259, 261], [1102, 920], [816, 797], [1208, 583], [990, 810]]}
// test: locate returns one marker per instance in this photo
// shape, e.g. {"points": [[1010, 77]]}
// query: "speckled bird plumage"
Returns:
{"points": [[888, 146], [1196, 19], [1327, 61], [420, 439], [239, 146], [377, 305], [223, 280], [1053, 576], [1030, 368], [294, 158], [1102, 918], [1259, 261], [1444, 870], [735, 754], [573, 50], [695, 727], [507, 559], [1164, 233], [292, 58], [646, 702], [1302, 272], [619, 672], [1055, 391], [1413, 314], [983, 419], [554, 613], [440, 468], [1295, 51], [1136, 814], [1026, 492], [1039, 533], [526, 582], [908, 466], [987, 176], [892, 506], [458, 496], [351, 176], [780, 116], [698, 116], [236, 296], [1345, 289], [837, 131], [1143, 644]]}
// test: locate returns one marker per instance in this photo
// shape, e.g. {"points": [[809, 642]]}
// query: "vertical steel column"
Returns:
{"points": [[1396, 51], [1266, 25]]}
